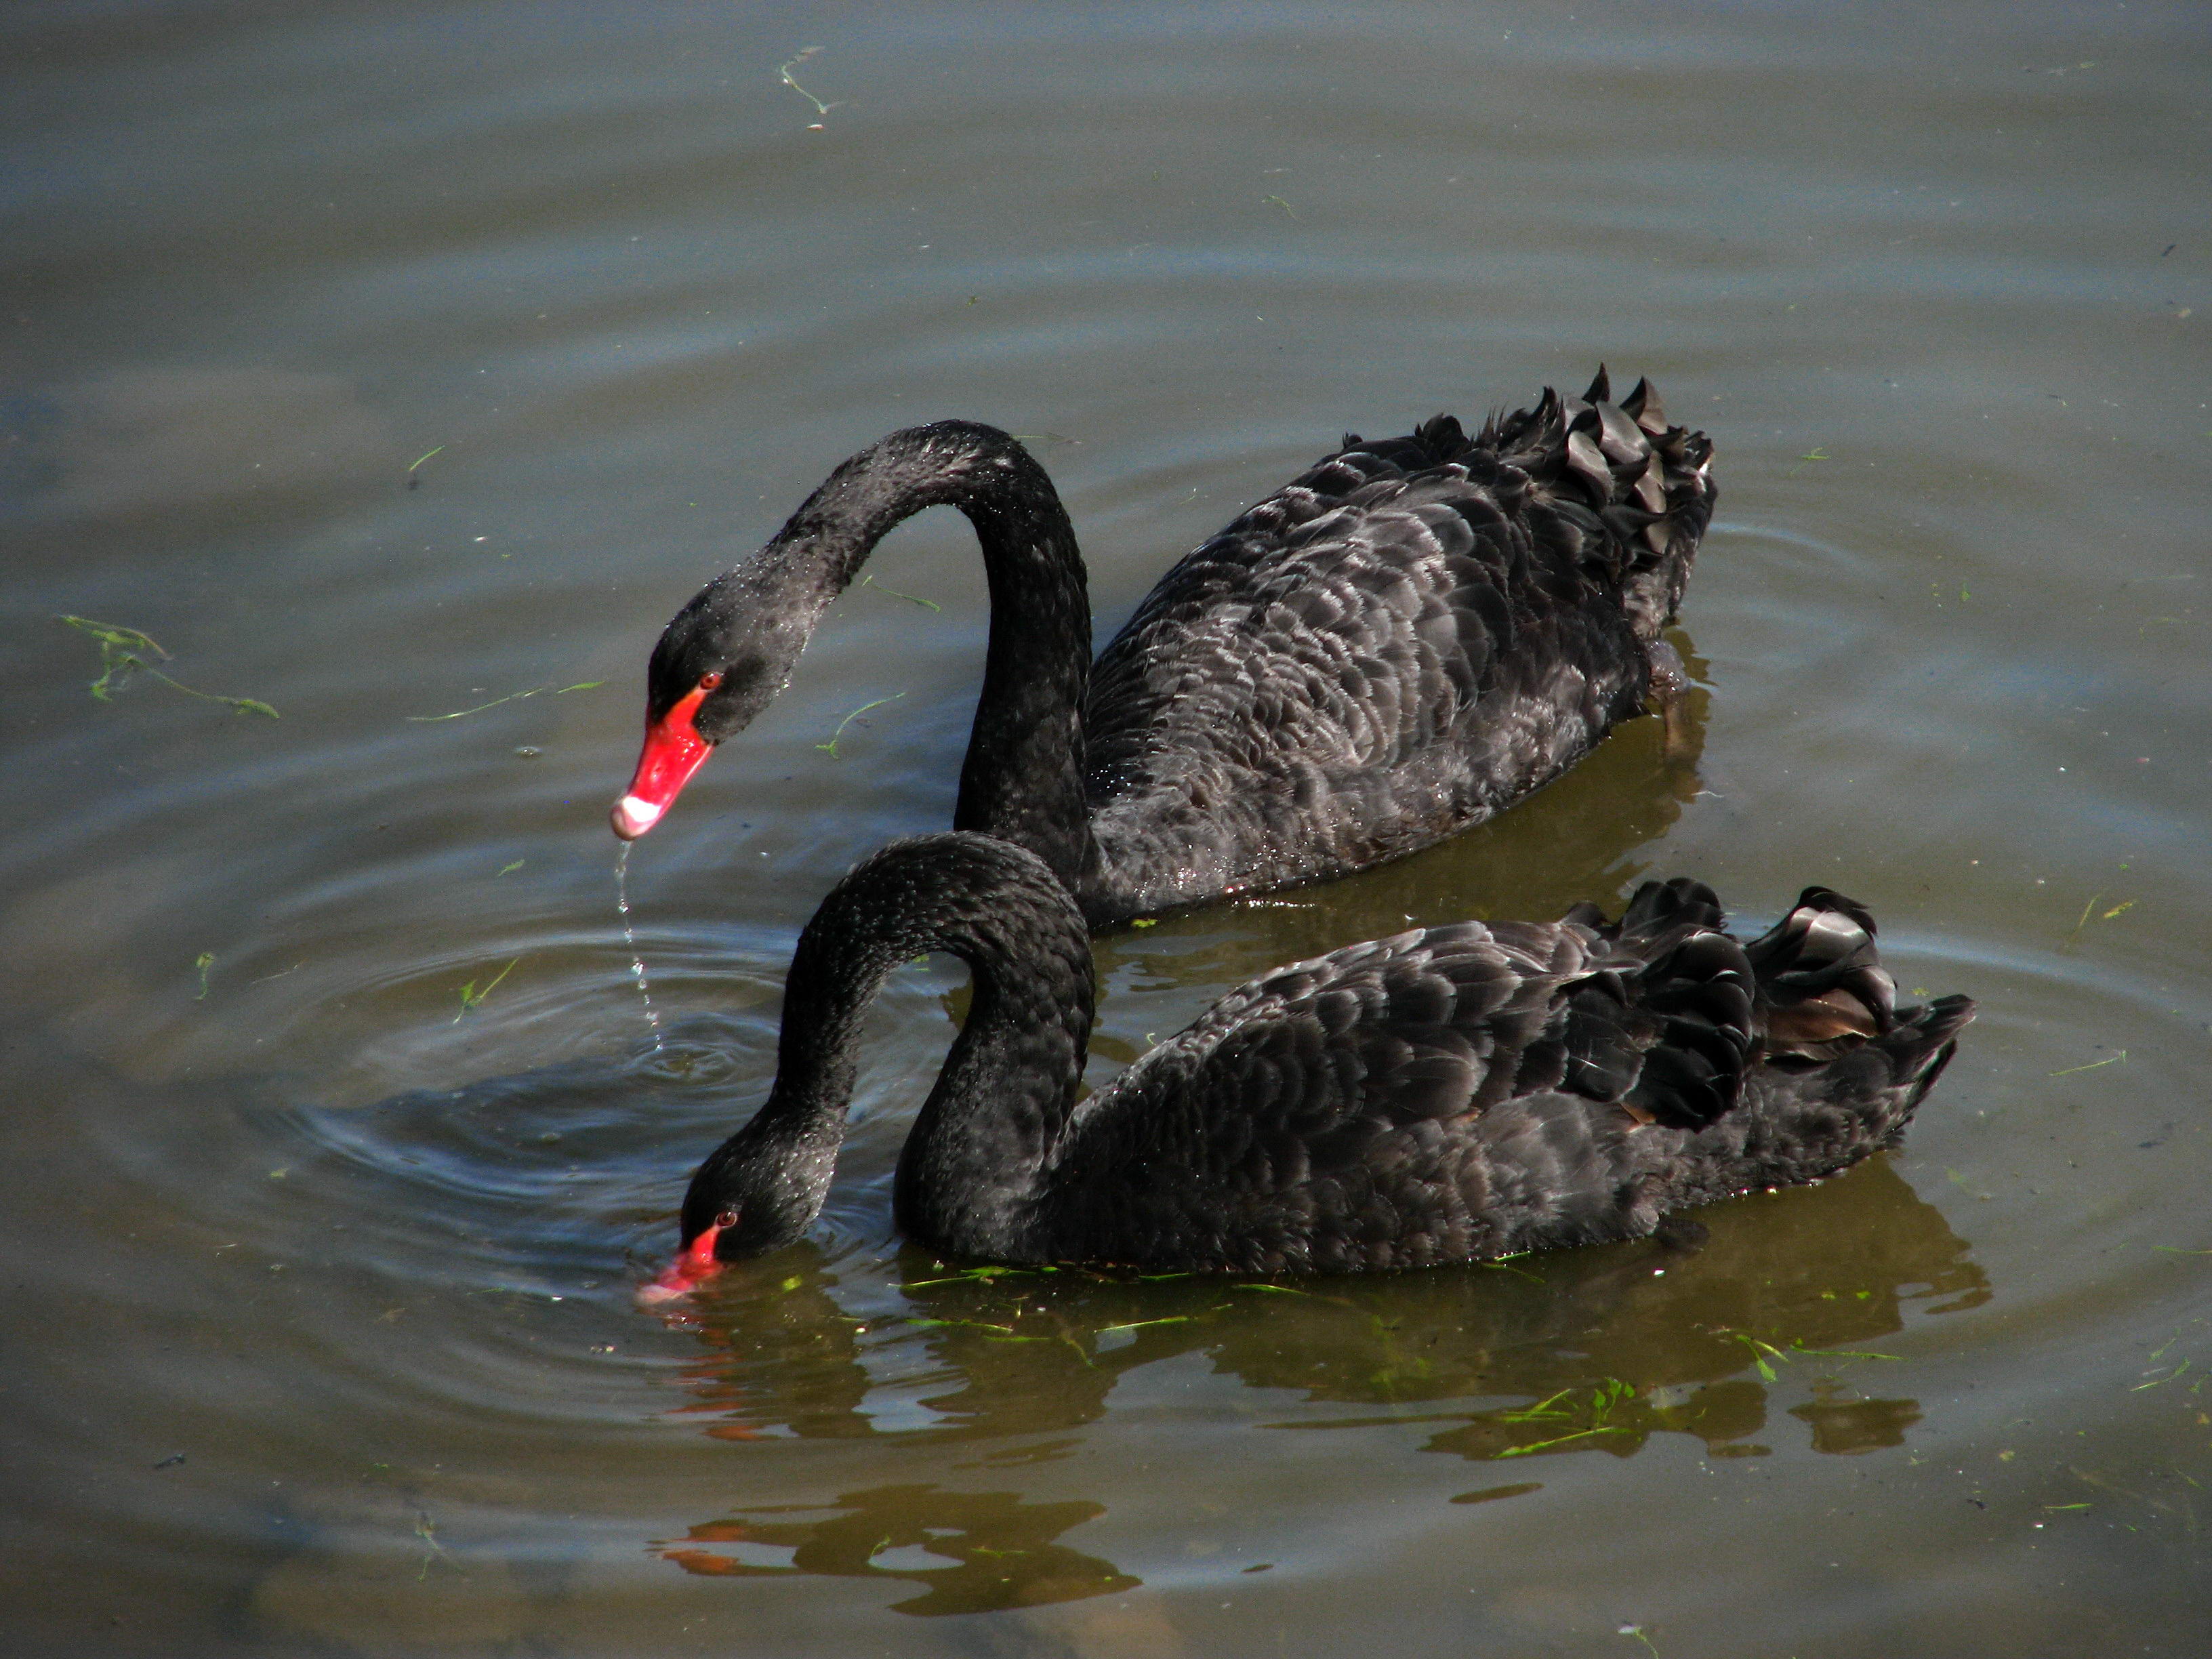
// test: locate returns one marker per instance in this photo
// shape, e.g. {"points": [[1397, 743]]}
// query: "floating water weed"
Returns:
{"points": [[784, 76], [831, 747], [512, 696], [427, 1530], [123, 654], [982, 1275], [1962, 1184], [911, 598], [471, 997], [2109, 1060], [1506, 1267], [2121, 909], [1760, 1353], [991, 1333], [2157, 1382], [1604, 1397]]}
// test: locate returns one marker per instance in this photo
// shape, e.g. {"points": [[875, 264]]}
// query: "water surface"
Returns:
{"points": [[389, 361]]}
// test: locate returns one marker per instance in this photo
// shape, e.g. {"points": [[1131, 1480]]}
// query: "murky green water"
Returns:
{"points": [[319, 1251]]}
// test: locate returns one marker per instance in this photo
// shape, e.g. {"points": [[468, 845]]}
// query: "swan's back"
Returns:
{"points": [[1475, 1090], [1399, 643]]}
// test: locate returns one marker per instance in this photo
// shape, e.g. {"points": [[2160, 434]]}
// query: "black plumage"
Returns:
{"points": [[1448, 1094], [1400, 642]]}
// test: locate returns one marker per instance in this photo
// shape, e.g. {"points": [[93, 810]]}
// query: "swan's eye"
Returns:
{"points": [[728, 1217], [708, 681]]}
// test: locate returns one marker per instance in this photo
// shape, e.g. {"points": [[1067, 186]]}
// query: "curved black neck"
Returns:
{"points": [[973, 1159], [1023, 777]]}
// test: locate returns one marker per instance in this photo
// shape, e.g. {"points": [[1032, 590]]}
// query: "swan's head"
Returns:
{"points": [[737, 1232], [726, 654], [759, 1191], [694, 1264], [721, 659]]}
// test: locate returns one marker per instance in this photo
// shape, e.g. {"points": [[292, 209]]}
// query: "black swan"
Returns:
{"points": [[1400, 642], [1447, 1095]]}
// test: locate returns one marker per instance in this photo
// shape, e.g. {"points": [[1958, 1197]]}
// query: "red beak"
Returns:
{"points": [[693, 1267], [673, 751]]}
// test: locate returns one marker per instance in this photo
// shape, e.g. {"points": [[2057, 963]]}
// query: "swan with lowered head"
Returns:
{"points": [[1446, 1095]]}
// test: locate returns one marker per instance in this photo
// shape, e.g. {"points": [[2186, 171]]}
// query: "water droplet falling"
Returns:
{"points": [[629, 940]]}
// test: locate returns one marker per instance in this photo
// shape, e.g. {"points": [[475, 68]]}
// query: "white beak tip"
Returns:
{"points": [[632, 818]]}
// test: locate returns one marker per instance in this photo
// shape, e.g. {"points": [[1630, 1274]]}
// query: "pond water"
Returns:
{"points": [[402, 367]]}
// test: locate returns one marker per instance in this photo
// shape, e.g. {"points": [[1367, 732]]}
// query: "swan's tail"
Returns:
{"points": [[1827, 1012], [1653, 908], [1922, 1041], [1613, 483], [1822, 989], [1667, 1027], [1621, 464], [1690, 1012]]}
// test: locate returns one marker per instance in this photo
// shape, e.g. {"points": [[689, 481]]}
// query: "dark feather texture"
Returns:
{"points": [[1404, 640], [1447, 1094]]}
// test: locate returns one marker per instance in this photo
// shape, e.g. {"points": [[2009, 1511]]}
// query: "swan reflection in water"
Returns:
{"points": [[1777, 1320], [972, 1552]]}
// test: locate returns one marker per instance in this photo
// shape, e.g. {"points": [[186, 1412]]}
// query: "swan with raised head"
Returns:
{"points": [[1403, 640], [1446, 1095]]}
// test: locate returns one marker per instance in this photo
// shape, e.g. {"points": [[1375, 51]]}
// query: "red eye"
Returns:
{"points": [[709, 682]]}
